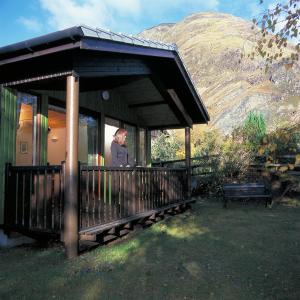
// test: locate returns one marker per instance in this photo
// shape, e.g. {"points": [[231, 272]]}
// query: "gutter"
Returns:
{"points": [[73, 34]]}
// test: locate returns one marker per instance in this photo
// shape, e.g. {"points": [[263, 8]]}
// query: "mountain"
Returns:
{"points": [[210, 45]]}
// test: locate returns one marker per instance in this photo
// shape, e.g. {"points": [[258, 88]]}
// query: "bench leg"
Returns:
{"points": [[268, 201], [224, 202]]}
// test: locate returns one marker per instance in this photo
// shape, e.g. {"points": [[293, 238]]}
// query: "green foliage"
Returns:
{"points": [[208, 143], [235, 160], [254, 129], [165, 146], [226, 159], [282, 141]]}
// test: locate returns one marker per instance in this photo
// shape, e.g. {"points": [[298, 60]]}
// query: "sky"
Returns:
{"points": [[24, 19]]}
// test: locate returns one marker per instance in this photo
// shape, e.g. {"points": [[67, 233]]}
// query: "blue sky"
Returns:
{"points": [[24, 19]]}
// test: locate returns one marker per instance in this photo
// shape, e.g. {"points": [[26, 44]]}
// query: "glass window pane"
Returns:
{"points": [[131, 141], [25, 141], [111, 126], [56, 146], [88, 140]]}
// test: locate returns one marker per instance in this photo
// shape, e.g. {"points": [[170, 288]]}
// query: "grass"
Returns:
{"points": [[244, 252]]}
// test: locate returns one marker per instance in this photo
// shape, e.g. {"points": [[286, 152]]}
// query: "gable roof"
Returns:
{"points": [[86, 38]]}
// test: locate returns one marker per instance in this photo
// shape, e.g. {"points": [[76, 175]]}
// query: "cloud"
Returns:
{"points": [[124, 15], [96, 13], [30, 24]]}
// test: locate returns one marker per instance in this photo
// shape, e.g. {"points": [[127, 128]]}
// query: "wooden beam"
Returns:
{"points": [[71, 237], [178, 110], [40, 53], [180, 106], [145, 104], [94, 66]]}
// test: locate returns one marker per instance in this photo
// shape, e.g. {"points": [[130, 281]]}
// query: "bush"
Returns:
{"points": [[229, 163], [165, 146], [281, 141]]}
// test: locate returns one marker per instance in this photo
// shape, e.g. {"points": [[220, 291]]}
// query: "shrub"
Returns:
{"points": [[254, 129], [165, 146]]}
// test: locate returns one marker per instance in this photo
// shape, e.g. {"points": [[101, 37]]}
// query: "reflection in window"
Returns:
{"points": [[88, 140], [25, 141], [111, 126], [131, 141]]}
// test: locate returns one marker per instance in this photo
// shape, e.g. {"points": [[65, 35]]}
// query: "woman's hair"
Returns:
{"points": [[119, 136]]}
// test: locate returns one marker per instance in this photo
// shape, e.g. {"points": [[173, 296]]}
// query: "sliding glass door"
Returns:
{"points": [[87, 140], [56, 144]]}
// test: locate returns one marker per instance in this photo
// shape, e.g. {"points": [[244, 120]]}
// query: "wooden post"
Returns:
{"points": [[71, 174], [7, 210], [188, 159], [137, 146], [102, 139], [148, 148]]}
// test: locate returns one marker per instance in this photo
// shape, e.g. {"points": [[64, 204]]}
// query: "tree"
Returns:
{"points": [[165, 146], [279, 33], [254, 129]]}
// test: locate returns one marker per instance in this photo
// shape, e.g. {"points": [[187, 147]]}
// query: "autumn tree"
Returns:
{"points": [[278, 33]]}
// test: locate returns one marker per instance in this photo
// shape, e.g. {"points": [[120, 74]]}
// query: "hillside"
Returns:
{"points": [[210, 45]]}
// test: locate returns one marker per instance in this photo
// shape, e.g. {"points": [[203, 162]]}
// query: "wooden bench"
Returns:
{"points": [[245, 191]]}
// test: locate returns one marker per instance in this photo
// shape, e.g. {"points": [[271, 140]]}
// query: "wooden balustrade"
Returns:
{"points": [[34, 198], [110, 194], [34, 195]]}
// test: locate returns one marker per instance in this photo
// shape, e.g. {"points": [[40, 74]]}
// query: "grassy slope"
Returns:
{"points": [[244, 252]]}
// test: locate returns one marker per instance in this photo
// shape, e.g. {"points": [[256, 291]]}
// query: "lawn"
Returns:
{"points": [[244, 252]]}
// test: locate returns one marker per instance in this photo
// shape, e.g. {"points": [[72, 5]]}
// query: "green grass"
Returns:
{"points": [[244, 252]]}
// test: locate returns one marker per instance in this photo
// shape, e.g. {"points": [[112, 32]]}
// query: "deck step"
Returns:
{"points": [[87, 245], [121, 227]]}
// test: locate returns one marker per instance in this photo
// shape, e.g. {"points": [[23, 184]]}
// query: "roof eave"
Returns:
{"points": [[72, 34]]}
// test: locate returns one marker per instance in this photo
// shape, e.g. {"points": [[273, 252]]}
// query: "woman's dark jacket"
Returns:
{"points": [[120, 156]]}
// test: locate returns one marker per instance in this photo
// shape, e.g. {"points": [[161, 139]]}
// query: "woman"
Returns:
{"points": [[119, 150]]}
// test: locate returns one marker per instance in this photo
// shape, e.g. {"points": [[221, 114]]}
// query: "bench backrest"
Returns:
{"points": [[244, 189]]}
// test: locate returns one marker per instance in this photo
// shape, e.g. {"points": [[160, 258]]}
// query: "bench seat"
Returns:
{"points": [[245, 191]]}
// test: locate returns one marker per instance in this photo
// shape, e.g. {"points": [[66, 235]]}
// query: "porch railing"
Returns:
{"points": [[34, 198], [110, 194], [35, 194]]}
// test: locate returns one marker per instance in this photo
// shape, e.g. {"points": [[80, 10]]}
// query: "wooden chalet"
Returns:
{"points": [[63, 95]]}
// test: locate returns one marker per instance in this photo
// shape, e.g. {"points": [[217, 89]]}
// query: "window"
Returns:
{"points": [[111, 126], [88, 140], [26, 130], [131, 141], [56, 146], [87, 137]]}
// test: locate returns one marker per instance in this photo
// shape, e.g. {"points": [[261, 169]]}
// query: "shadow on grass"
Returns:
{"points": [[207, 253]]}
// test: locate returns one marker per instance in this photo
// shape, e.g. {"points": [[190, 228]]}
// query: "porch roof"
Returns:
{"points": [[159, 62]]}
